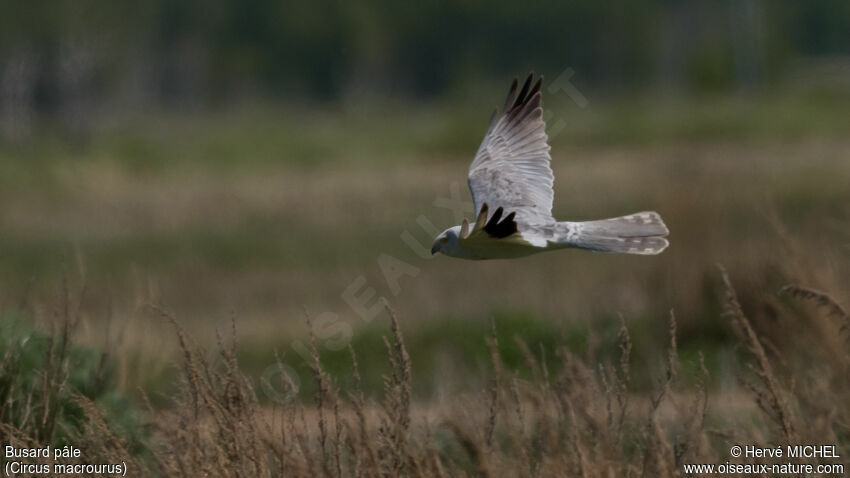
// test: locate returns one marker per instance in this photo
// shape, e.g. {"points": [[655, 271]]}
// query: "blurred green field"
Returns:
{"points": [[215, 223], [268, 214], [125, 258]]}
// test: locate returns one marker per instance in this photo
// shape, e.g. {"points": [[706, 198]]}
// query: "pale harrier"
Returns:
{"points": [[511, 175]]}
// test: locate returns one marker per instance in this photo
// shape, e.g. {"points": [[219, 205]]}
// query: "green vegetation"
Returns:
{"points": [[47, 382], [183, 55], [237, 141]]}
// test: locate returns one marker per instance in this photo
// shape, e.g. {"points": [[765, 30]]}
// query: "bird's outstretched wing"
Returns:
{"points": [[511, 169]]}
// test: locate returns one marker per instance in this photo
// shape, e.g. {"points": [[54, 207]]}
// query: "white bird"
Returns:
{"points": [[511, 175]]}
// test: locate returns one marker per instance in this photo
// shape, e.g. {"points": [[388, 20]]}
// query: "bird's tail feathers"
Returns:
{"points": [[639, 233]]}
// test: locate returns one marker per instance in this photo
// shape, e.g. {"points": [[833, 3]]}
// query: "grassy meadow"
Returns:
{"points": [[175, 291]]}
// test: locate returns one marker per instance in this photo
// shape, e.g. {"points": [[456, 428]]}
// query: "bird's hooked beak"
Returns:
{"points": [[434, 249]]}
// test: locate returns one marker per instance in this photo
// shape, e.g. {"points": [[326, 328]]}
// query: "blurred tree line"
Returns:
{"points": [[71, 61]]}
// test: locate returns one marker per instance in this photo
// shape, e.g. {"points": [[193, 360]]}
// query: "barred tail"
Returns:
{"points": [[639, 233]]}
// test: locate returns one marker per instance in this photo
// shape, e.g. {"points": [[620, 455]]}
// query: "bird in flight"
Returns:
{"points": [[511, 184]]}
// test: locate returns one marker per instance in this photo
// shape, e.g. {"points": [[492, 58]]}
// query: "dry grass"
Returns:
{"points": [[584, 419]]}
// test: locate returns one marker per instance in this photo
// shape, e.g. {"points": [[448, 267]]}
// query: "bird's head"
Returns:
{"points": [[447, 241]]}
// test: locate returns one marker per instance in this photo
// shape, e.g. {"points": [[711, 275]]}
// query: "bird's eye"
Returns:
{"points": [[444, 240]]}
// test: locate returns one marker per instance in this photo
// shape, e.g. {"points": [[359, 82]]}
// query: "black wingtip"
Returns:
{"points": [[500, 228], [518, 102], [497, 214], [537, 85], [523, 93], [511, 93]]}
